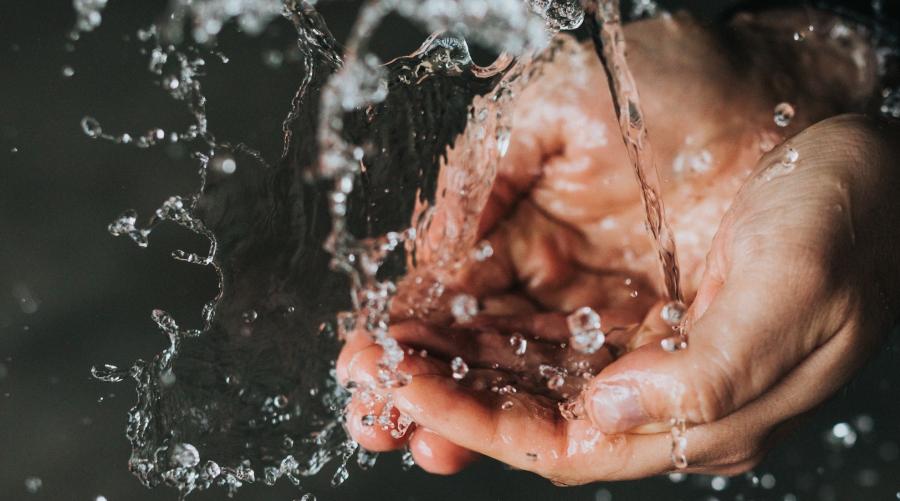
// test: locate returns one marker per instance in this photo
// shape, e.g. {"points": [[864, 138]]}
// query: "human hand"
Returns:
{"points": [[784, 263]]}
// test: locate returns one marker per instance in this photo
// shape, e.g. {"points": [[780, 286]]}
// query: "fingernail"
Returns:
{"points": [[615, 408]]}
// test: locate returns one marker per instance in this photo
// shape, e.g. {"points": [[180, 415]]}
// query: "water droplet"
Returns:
{"points": [[249, 316], [718, 483], [228, 166], [679, 443], [368, 420], [464, 308], [572, 409], [482, 251], [556, 382], [673, 313], [784, 113], [167, 378], [68, 72], [583, 319], [91, 127], [185, 454], [33, 484], [108, 373], [459, 368], [584, 326], [842, 435], [673, 344], [784, 166], [407, 461], [507, 405], [519, 344]]}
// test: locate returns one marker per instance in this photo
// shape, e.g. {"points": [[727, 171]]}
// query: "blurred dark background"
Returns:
{"points": [[72, 296]]}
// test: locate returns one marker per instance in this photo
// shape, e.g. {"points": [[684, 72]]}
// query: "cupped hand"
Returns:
{"points": [[788, 298]]}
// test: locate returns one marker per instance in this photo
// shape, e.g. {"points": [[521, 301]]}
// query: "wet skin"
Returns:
{"points": [[790, 280]]}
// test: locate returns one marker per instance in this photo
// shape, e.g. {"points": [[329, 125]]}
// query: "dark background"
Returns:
{"points": [[72, 296]]}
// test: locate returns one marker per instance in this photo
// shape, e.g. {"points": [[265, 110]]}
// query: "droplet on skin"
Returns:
{"points": [[784, 166], [673, 313]]}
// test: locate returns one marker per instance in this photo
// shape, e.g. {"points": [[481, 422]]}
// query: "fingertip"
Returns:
{"points": [[438, 455], [363, 427]]}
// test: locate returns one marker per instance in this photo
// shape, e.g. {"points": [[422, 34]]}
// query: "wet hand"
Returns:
{"points": [[785, 300]]}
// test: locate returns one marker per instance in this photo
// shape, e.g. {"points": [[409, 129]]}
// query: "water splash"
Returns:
{"points": [[609, 40]]}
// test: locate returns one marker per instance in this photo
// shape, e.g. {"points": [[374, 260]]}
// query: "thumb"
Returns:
{"points": [[746, 340]]}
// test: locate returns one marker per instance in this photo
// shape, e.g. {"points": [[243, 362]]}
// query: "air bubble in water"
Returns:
{"points": [[68, 71], [459, 368], [463, 307], [784, 113], [186, 455]]}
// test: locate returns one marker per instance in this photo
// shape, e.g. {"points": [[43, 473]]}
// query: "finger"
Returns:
{"points": [[530, 434], [365, 368], [747, 339], [357, 340], [363, 426], [435, 454], [738, 441]]}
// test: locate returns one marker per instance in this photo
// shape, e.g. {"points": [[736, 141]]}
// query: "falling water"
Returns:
{"points": [[609, 40]]}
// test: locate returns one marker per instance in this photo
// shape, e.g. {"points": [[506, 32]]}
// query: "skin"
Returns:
{"points": [[789, 275]]}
